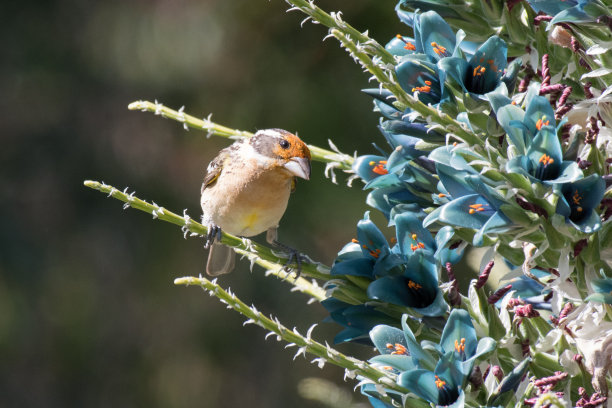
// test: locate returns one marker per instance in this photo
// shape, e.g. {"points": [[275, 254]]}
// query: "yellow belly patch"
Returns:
{"points": [[250, 220]]}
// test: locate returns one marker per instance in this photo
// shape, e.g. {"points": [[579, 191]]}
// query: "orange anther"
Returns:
{"points": [[546, 160], [414, 285]]}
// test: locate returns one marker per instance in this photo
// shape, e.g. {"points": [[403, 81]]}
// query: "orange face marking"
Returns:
{"points": [[297, 148]]}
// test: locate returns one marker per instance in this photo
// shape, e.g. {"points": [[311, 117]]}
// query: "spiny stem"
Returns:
{"points": [[333, 20], [386, 79], [404, 100], [339, 160], [305, 344], [256, 253]]}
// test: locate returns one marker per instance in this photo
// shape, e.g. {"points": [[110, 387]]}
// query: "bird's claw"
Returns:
{"points": [[213, 235], [294, 257]]}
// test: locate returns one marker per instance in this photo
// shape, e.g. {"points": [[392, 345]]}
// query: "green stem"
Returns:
{"points": [[333, 159], [387, 78], [257, 253], [305, 344], [334, 21]]}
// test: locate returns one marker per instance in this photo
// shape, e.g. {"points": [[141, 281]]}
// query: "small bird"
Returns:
{"points": [[246, 190]]}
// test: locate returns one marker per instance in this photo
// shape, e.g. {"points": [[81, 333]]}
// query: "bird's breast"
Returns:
{"points": [[247, 206]]}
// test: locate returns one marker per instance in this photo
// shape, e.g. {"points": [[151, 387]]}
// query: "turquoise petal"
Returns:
{"points": [[539, 109], [406, 225], [459, 326], [453, 181], [507, 114], [398, 47], [399, 362], [589, 224], [354, 267], [456, 68], [432, 29], [571, 15], [422, 383], [497, 223], [450, 368], [492, 56], [369, 236], [457, 212], [382, 335], [413, 73], [545, 144], [569, 172], [420, 356], [551, 7], [365, 166]]}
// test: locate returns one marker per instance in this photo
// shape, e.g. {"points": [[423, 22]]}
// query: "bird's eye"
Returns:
{"points": [[284, 144]]}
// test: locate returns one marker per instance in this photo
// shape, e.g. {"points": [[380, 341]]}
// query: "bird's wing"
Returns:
{"points": [[215, 166]]}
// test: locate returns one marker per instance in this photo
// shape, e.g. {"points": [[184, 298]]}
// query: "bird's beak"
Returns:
{"points": [[299, 167]]}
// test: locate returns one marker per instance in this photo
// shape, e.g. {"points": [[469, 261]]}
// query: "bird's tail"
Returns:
{"points": [[221, 259]]}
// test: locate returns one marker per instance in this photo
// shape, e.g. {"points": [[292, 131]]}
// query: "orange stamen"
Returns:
{"points": [[425, 88], [380, 167], [408, 45], [460, 347], [476, 208], [414, 285], [576, 198], [546, 160], [397, 348], [438, 49], [541, 123], [440, 383]]}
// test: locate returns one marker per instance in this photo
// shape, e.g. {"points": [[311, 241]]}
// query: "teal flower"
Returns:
{"points": [[433, 37], [521, 126], [570, 11], [417, 287], [418, 75], [483, 72], [471, 203], [437, 380], [442, 387], [578, 200], [602, 291], [357, 320], [367, 256], [543, 160]]}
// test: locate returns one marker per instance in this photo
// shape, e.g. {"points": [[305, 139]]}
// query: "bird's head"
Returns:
{"points": [[284, 149]]}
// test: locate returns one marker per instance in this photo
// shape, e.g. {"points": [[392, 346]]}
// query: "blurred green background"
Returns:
{"points": [[89, 316]]}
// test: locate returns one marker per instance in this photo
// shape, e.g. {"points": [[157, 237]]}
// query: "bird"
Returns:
{"points": [[246, 190]]}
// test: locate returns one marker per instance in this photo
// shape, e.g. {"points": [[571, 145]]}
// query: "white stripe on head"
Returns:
{"points": [[270, 132]]}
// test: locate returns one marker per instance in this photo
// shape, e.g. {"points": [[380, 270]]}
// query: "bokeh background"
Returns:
{"points": [[89, 316]]}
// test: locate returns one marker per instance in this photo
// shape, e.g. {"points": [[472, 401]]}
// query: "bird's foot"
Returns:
{"points": [[214, 235], [294, 258]]}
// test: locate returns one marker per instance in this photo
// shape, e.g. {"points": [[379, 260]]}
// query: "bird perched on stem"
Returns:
{"points": [[246, 190]]}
